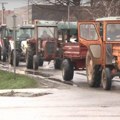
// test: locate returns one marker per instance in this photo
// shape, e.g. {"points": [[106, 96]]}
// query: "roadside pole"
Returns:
{"points": [[68, 15], [68, 20], [3, 11], [14, 36]]}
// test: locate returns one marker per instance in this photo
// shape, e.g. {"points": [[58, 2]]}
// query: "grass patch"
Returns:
{"points": [[7, 81]]}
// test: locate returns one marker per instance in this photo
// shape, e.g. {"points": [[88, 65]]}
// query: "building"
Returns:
{"points": [[51, 12], [6, 13]]}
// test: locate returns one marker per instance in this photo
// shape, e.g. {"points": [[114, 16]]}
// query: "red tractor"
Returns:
{"points": [[102, 39], [44, 46], [74, 53]]}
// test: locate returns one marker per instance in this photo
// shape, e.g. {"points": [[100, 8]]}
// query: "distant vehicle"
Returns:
{"points": [[5, 36], [23, 33], [44, 46], [102, 39], [73, 53]]}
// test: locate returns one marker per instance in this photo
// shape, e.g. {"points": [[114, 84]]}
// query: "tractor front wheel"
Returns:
{"points": [[106, 79], [67, 70], [57, 63], [41, 61], [35, 62], [0, 52]]}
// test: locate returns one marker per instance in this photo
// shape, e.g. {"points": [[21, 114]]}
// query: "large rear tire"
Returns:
{"points": [[106, 79], [93, 72], [0, 52], [4, 54], [67, 70]]}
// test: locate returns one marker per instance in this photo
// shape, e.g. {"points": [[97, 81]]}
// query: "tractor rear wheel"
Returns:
{"points": [[0, 52], [93, 72], [106, 79], [35, 62], [67, 70], [4, 54]]}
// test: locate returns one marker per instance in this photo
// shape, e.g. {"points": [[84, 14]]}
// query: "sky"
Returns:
{"points": [[11, 4]]}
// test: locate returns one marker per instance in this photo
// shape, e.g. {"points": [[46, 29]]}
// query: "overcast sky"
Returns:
{"points": [[11, 4]]}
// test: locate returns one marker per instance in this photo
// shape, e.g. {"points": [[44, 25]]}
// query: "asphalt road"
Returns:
{"points": [[76, 101]]}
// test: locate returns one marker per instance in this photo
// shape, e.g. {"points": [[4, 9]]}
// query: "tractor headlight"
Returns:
{"points": [[42, 49], [113, 60], [57, 49]]}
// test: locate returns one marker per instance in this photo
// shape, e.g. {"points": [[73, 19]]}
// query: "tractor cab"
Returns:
{"points": [[67, 32], [102, 39], [47, 39], [24, 33]]}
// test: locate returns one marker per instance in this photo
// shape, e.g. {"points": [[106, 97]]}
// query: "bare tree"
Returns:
{"points": [[100, 8], [58, 2], [92, 9]]}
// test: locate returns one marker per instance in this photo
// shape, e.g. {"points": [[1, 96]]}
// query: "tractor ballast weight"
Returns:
{"points": [[102, 39]]}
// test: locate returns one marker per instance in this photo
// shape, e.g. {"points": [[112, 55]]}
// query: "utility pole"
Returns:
{"points": [[3, 12], [68, 5], [14, 34], [28, 10]]}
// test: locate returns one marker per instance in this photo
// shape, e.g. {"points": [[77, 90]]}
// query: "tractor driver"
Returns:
{"points": [[24, 36], [45, 35]]}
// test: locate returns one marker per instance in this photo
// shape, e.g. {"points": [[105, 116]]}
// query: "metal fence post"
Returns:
{"points": [[14, 35]]}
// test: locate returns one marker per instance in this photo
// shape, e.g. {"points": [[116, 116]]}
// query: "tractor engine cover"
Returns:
{"points": [[50, 50]]}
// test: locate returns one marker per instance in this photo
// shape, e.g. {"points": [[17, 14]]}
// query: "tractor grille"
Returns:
{"points": [[50, 48]]}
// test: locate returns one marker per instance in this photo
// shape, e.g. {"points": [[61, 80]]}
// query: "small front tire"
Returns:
{"points": [[57, 63], [35, 62], [67, 70], [106, 79], [41, 61]]}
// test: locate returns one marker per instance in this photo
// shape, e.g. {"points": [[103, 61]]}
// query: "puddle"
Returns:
{"points": [[38, 73], [82, 74], [23, 94], [65, 82]]}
